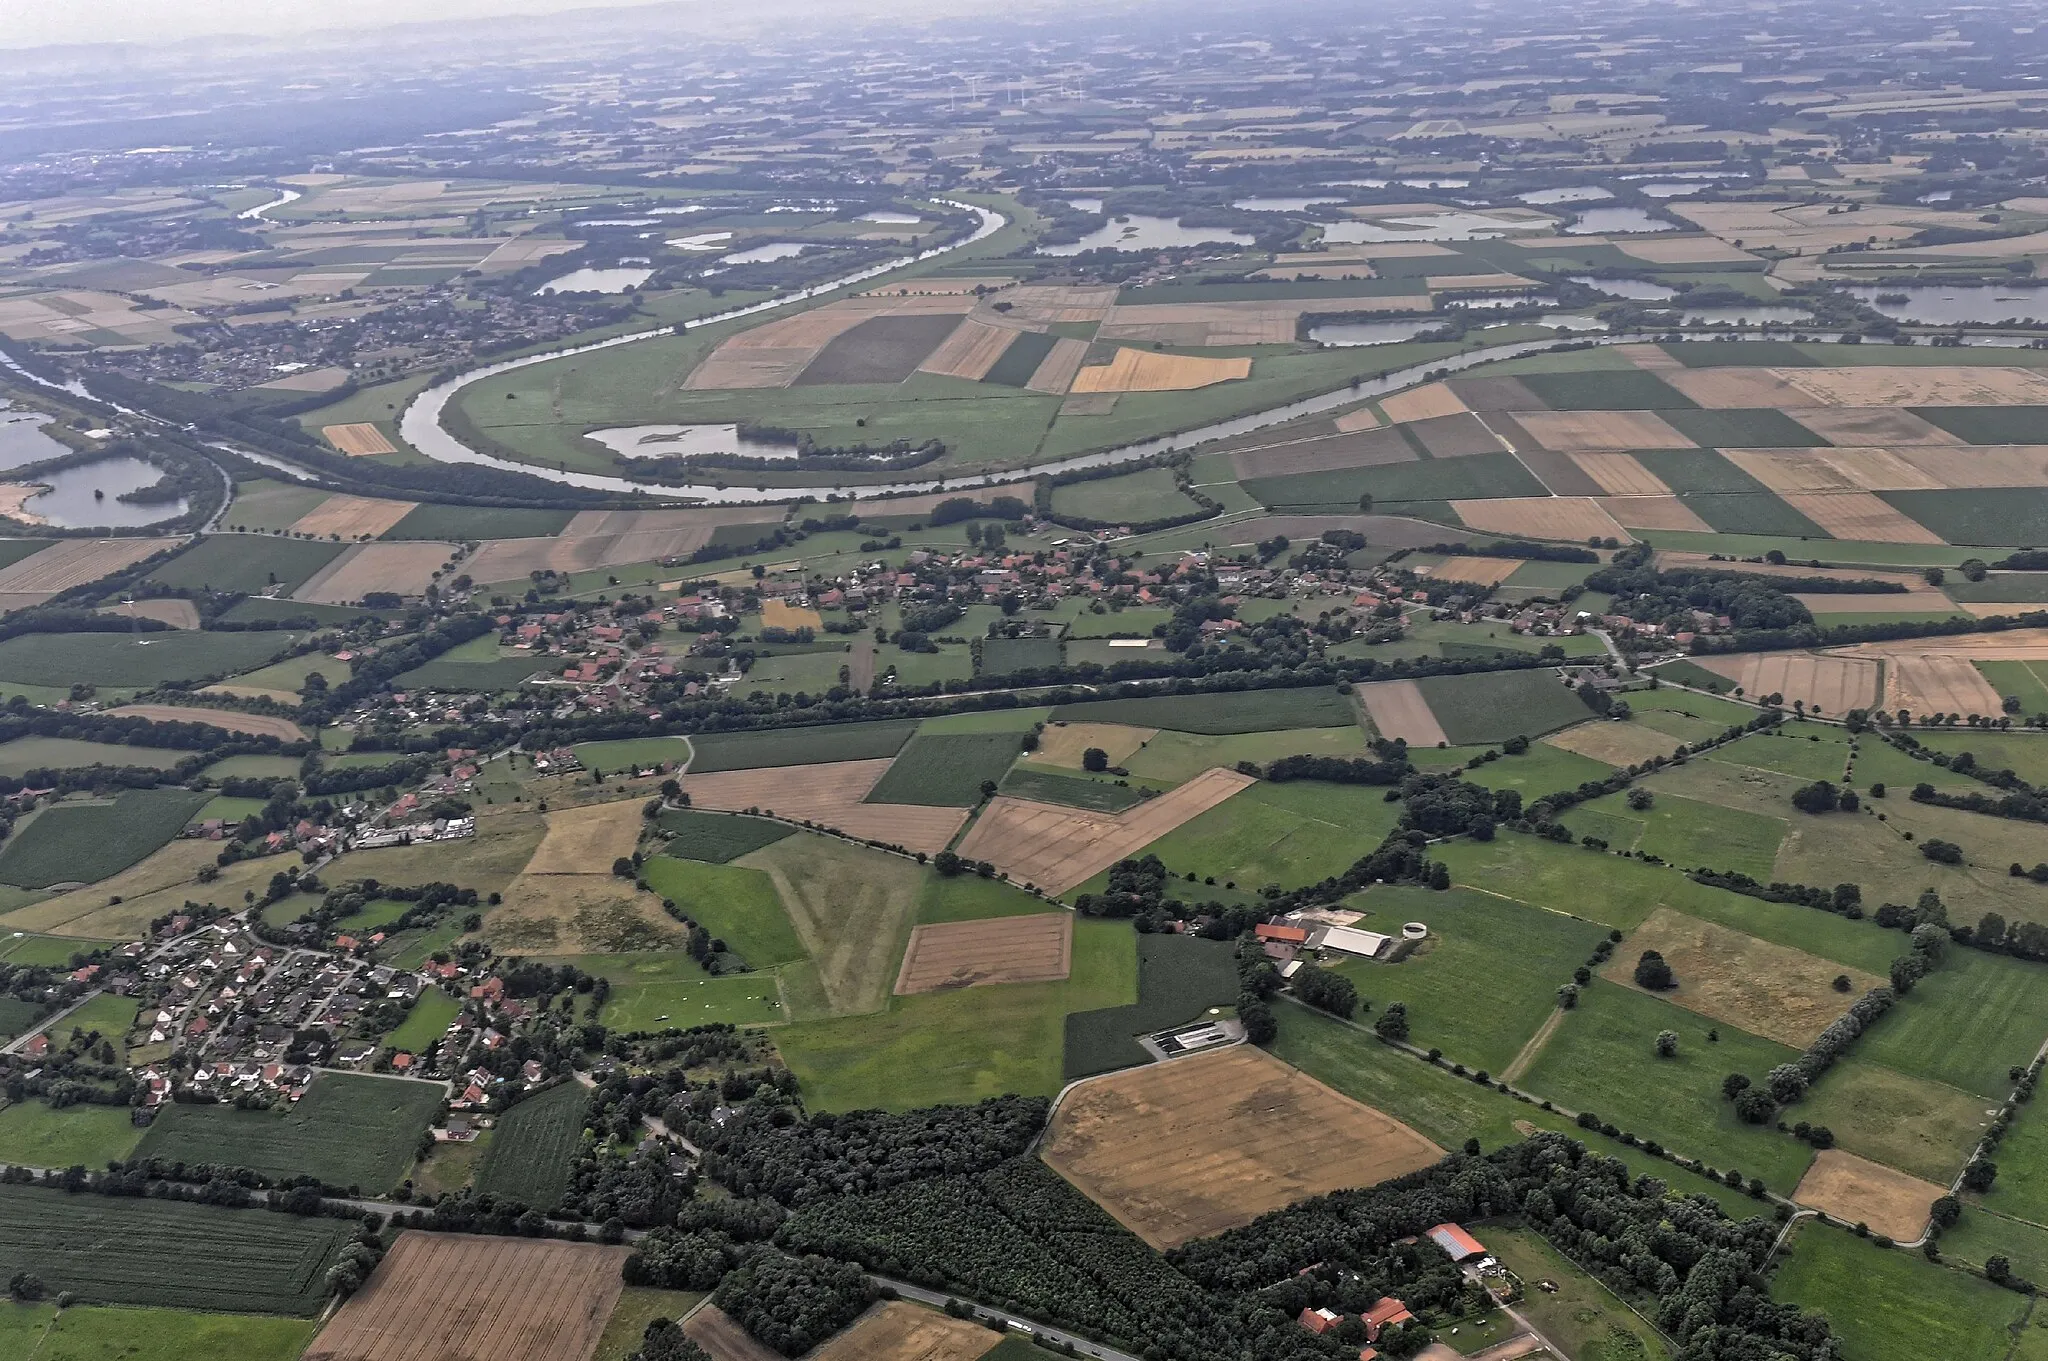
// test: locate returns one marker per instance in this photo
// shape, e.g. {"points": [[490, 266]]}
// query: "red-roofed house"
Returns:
{"points": [[1285, 935], [1319, 1321], [1388, 1313], [1459, 1245]]}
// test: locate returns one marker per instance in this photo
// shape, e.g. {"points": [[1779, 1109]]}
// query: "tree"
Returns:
{"points": [[1755, 1106], [1095, 760], [623, 867], [1942, 852], [1568, 997], [1734, 1085], [25, 1286], [1787, 1083], [1979, 1175], [1326, 991], [665, 1341], [1997, 1269], [1653, 973], [1257, 1018], [1842, 983], [1818, 797], [1640, 799], [1667, 1044], [1392, 1024]]}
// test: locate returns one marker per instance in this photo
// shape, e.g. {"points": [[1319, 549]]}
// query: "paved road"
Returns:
{"points": [[1050, 1334], [49, 1026]]}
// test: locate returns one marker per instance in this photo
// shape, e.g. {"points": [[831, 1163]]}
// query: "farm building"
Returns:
{"points": [[1320, 1321], [1351, 941], [1388, 1313], [1456, 1243]]}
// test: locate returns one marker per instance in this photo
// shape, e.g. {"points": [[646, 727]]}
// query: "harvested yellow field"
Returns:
{"points": [[1826, 470], [404, 569], [1054, 849], [780, 614], [1829, 684], [1419, 404], [1650, 358], [896, 1331], [1055, 373], [1859, 1191], [179, 614], [1592, 431], [351, 517], [1150, 371], [1937, 684], [1478, 571], [1045, 304], [1063, 744], [229, 720], [1038, 948], [1735, 388], [587, 840], [361, 439], [1654, 512], [1858, 515], [1618, 744], [1867, 425], [1353, 421], [2010, 645], [1620, 474], [1998, 465], [1976, 385], [74, 562], [1191, 1147], [970, 352], [1399, 711], [1572, 518], [831, 794], [578, 914]]}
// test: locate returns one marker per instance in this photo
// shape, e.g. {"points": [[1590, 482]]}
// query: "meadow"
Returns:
{"points": [[533, 1145], [657, 990], [1070, 791], [348, 1130], [1220, 713], [946, 770], [1891, 1305], [717, 838], [427, 1022], [1492, 706], [1298, 832], [87, 842], [1581, 1313], [799, 746], [82, 1135], [93, 1332], [249, 563], [1922, 1128], [1176, 756], [1684, 831], [736, 905], [24, 754], [633, 753]]}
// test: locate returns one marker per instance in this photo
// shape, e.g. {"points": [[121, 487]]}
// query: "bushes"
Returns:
{"points": [[1326, 991]]}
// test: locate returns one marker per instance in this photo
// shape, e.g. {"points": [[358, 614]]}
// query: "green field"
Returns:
{"points": [[1433, 480], [1479, 946], [2023, 681], [1230, 711], [86, 842], [1542, 769], [1581, 1314], [738, 906], [533, 1145], [1920, 1127], [81, 1135], [2024, 754], [1290, 834], [45, 950], [636, 753], [2021, 1190], [1133, 498], [1891, 1305], [24, 754], [347, 1130], [133, 660], [969, 897], [654, 991], [1815, 754], [1622, 390], [251, 563], [1015, 720], [1686, 832], [254, 767], [799, 746], [457, 523], [118, 1250], [107, 1014], [1177, 756], [97, 1333], [962, 1044], [1754, 428], [1966, 1024], [1041, 785], [289, 675], [1179, 978], [482, 678], [1601, 1059], [946, 770], [1974, 515], [717, 838], [1492, 706], [263, 503], [427, 1022]]}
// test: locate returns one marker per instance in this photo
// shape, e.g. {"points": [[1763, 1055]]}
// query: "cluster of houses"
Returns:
{"points": [[1312, 931], [1388, 1312]]}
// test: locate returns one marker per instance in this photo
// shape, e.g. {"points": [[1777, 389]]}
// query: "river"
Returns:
{"points": [[260, 211]]}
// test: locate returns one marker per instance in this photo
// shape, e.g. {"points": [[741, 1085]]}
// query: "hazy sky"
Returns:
{"points": [[31, 24]]}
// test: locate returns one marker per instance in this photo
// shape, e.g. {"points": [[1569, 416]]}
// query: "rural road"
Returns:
{"points": [[1050, 1334], [49, 1026]]}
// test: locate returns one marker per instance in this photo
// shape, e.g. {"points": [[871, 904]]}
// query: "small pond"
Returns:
{"points": [[1585, 193], [1086, 205], [701, 241], [1619, 221], [1745, 316], [1951, 304], [1139, 232], [1284, 204], [761, 255], [890, 217], [597, 281], [1642, 290], [70, 501]]}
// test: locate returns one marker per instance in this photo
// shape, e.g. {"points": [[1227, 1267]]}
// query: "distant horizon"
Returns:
{"points": [[98, 22]]}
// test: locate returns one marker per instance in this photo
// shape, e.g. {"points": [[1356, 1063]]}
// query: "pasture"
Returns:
{"points": [[1220, 713], [462, 1298], [89, 1333], [1192, 1147], [969, 897], [34, 1134], [1686, 832], [1180, 979], [1966, 1024], [1009, 949], [1294, 833], [771, 747], [1578, 1311], [1922, 1128], [738, 906], [24, 754], [947, 770], [717, 838], [1057, 849], [87, 842], [250, 563], [1177, 756], [1889, 1305], [114, 1250], [654, 990], [348, 1130], [533, 1145], [134, 660], [429, 1018], [852, 908], [633, 754], [1492, 706]]}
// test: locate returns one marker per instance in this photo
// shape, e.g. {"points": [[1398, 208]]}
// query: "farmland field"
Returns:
{"points": [[900, 1330], [1129, 499], [1179, 979], [717, 838], [947, 770], [1242, 711], [1889, 1305], [1924, 1129], [1966, 1024], [633, 753], [85, 1135], [90, 1333], [1182, 1150], [347, 1130], [853, 908], [1492, 706], [969, 897], [1070, 791], [1685, 832], [251, 563], [479, 522], [83, 843], [461, 1298], [1177, 756], [120, 659], [1294, 833], [798, 746], [532, 1146], [1008, 949], [652, 990], [24, 754], [154, 1252], [735, 905]]}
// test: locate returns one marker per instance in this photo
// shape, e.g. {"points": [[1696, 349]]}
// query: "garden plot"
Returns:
{"points": [[1858, 1191], [359, 439], [831, 794], [1031, 949], [1063, 744], [1192, 1147], [1770, 990], [74, 562], [1151, 371], [456, 1297], [1571, 518], [1620, 474], [1057, 849], [1654, 512], [1398, 710], [1829, 684], [1572, 432], [403, 569], [1937, 683], [351, 517], [1877, 386]]}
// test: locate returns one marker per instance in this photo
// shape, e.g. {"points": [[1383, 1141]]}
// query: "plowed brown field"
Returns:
{"points": [[1055, 849], [1398, 710], [1863, 1192], [1571, 518], [1030, 949], [360, 440]]}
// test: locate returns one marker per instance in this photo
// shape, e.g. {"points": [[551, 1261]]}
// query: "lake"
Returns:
{"points": [[1587, 193], [1348, 333], [597, 281], [1642, 290], [891, 218], [1600, 221], [22, 440], [1284, 205], [761, 255], [1086, 205], [657, 441], [1139, 232], [1432, 227], [702, 241], [1948, 305], [70, 501]]}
